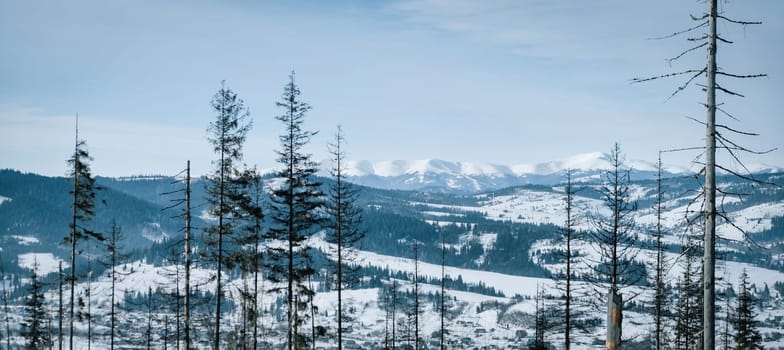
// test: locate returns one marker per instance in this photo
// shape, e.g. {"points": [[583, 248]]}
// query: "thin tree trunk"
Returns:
{"points": [[292, 234], [221, 185], [443, 292], [73, 238], [112, 315], [89, 307], [709, 266], [60, 308], [416, 296], [659, 298], [394, 314], [312, 317], [188, 256], [256, 292], [5, 305], [568, 228], [166, 332]]}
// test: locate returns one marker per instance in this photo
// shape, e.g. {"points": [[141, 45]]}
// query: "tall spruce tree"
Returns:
{"points": [[568, 236], [343, 227], [660, 267], [34, 331], [83, 194], [747, 336], [225, 185], [296, 203], [615, 240]]}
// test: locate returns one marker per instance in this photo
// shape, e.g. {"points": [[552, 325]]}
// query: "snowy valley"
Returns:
{"points": [[500, 247]]}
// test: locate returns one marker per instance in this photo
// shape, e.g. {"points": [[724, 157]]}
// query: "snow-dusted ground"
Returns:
{"points": [[485, 320], [46, 262], [527, 206], [547, 207], [499, 318]]}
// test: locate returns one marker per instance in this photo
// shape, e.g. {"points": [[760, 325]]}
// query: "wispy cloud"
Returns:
{"points": [[36, 141]]}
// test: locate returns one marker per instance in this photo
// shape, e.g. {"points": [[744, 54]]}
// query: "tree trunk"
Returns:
{"points": [[614, 320], [709, 243], [188, 257]]}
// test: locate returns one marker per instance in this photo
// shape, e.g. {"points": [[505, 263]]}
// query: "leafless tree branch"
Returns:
{"points": [[736, 21], [703, 24], [640, 80], [673, 59], [741, 76]]}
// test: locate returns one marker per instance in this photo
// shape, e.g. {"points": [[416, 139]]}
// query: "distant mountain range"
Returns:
{"points": [[435, 175]]}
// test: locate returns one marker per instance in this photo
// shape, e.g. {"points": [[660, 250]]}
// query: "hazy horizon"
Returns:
{"points": [[497, 82]]}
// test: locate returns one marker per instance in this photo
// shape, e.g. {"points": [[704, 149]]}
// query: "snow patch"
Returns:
{"points": [[26, 240], [47, 262]]}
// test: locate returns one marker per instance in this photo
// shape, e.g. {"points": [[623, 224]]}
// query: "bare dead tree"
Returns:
{"points": [[717, 138]]}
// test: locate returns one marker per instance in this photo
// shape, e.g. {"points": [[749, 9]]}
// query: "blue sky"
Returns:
{"points": [[503, 82]]}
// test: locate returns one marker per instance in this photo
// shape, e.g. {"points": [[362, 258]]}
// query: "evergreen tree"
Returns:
{"points": [[725, 334], [343, 227], [616, 242], [568, 235], [660, 267], [249, 257], [114, 258], [83, 194], [296, 203], [225, 185], [540, 323], [747, 336], [33, 329], [688, 324]]}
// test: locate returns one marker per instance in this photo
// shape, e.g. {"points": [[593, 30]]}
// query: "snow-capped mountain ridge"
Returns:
{"points": [[449, 176], [580, 162], [436, 175]]}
